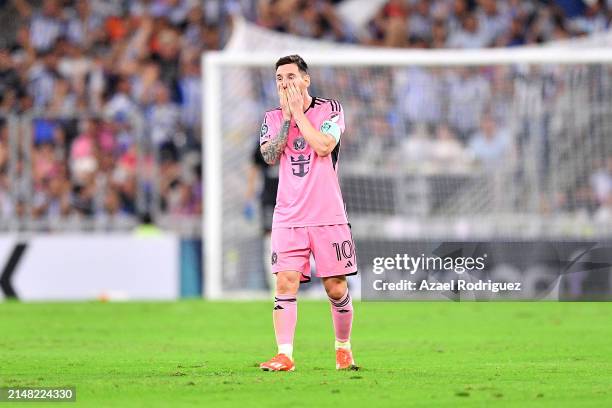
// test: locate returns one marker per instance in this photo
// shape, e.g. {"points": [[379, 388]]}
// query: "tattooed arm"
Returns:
{"points": [[272, 150]]}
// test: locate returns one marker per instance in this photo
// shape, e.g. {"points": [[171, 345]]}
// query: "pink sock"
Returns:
{"points": [[285, 318], [342, 314]]}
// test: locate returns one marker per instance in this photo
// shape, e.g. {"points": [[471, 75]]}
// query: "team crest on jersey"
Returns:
{"points": [[274, 258], [300, 166], [334, 117], [299, 143], [264, 129]]}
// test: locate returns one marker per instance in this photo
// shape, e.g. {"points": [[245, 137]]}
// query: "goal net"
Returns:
{"points": [[439, 145]]}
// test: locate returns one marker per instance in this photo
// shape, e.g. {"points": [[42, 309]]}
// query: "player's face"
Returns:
{"points": [[290, 74]]}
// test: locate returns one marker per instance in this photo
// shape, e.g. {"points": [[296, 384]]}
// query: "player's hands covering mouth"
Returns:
{"points": [[295, 98], [284, 102]]}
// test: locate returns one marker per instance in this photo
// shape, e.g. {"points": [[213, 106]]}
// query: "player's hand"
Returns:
{"points": [[296, 100], [284, 102]]}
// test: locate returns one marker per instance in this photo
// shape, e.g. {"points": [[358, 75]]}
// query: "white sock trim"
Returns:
{"points": [[286, 349], [343, 345]]}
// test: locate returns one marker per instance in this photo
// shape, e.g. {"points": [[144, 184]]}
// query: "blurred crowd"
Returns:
{"points": [[113, 91], [104, 80], [441, 23]]}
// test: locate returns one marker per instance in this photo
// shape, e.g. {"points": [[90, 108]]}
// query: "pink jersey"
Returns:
{"points": [[308, 190]]}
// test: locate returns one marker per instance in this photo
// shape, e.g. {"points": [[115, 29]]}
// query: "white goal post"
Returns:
{"points": [[218, 89]]}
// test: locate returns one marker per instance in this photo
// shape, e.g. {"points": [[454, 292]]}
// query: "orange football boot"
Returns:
{"points": [[344, 360], [280, 362]]}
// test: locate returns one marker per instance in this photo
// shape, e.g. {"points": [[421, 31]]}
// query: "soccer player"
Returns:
{"points": [[303, 134]]}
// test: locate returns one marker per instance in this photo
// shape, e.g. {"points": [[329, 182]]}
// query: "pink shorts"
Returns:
{"points": [[332, 247]]}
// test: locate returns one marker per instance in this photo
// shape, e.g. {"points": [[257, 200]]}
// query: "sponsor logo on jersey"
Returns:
{"points": [[274, 258], [300, 165], [264, 129]]}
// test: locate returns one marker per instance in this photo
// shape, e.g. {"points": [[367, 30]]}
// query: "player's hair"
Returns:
{"points": [[293, 59]]}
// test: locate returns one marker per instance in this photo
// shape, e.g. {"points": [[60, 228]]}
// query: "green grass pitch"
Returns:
{"points": [[205, 354]]}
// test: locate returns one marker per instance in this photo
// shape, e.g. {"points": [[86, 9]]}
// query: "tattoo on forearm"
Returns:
{"points": [[272, 150]]}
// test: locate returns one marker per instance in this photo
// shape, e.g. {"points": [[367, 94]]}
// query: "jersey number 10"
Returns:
{"points": [[344, 249]]}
